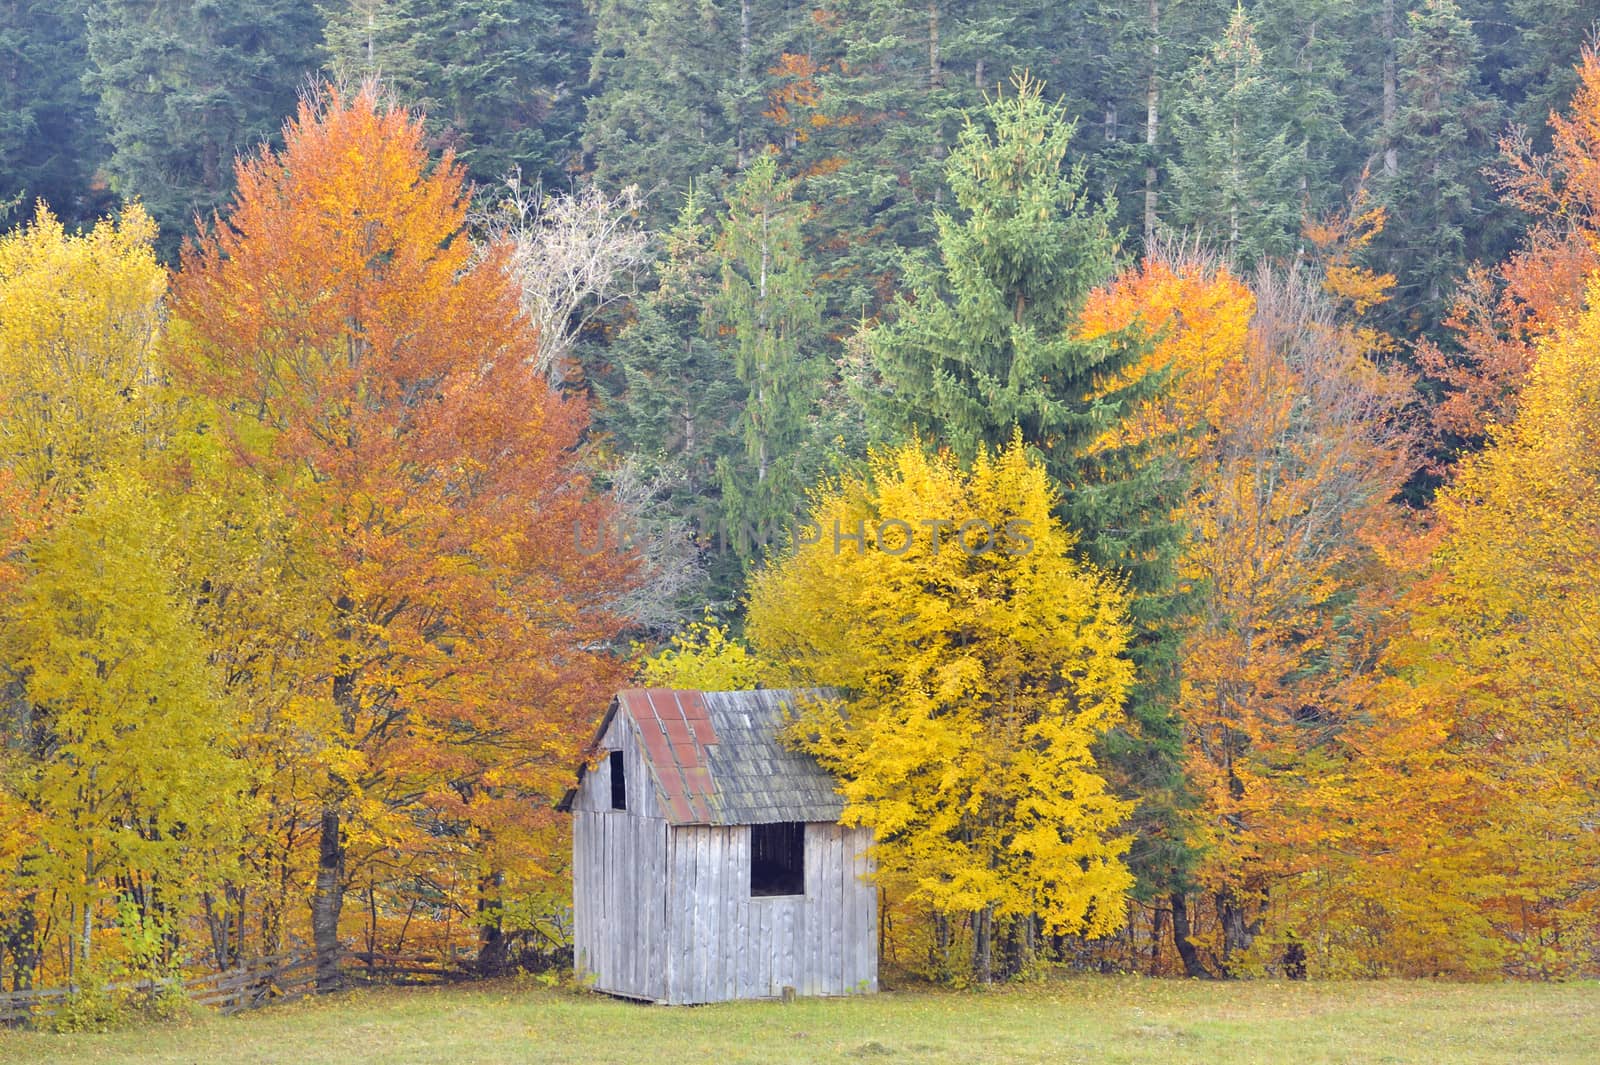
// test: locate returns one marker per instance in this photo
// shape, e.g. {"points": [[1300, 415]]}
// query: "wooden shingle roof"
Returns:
{"points": [[715, 758]]}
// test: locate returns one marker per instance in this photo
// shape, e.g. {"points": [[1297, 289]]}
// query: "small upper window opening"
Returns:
{"points": [[619, 783]]}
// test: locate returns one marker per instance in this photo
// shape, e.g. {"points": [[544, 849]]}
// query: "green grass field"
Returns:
{"points": [[1098, 1020]]}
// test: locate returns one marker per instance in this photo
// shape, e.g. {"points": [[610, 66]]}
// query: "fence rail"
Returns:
{"points": [[279, 978]]}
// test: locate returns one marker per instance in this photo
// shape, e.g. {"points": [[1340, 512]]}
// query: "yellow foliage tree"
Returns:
{"points": [[259, 616], [82, 316], [978, 662], [1480, 772], [132, 772], [118, 763], [703, 656]]}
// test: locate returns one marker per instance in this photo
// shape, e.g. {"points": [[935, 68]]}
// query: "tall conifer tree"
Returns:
{"points": [[1544, 54], [879, 93], [766, 310], [988, 344], [1444, 138], [660, 116], [50, 138], [1238, 172], [676, 397], [502, 82]]}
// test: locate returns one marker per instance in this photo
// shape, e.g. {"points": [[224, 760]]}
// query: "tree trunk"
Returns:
{"points": [[241, 915], [1158, 928], [273, 905], [326, 902], [933, 46], [1294, 959], [1236, 182], [1237, 933], [88, 906], [1019, 947], [492, 945], [22, 942], [983, 945], [1180, 937], [1391, 154], [1152, 120], [219, 926], [742, 148]]}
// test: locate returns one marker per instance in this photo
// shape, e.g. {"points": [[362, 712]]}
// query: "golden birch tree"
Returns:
{"points": [[977, 663]]}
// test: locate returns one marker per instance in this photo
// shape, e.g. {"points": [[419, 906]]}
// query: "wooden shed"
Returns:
{"points": [[708, 860]]}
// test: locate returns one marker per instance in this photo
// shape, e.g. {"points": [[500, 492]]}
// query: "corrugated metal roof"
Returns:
{"points": [[715, 757], [677, 734]]}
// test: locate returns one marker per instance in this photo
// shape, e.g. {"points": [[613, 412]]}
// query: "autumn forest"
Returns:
{"points": [[1166, 436]]}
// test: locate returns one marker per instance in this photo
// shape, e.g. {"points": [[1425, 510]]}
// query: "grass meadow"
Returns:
{"points": [[1103, 1020]]}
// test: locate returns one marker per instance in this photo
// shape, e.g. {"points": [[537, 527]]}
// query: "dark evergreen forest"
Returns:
{"points": [[1188, 118]]}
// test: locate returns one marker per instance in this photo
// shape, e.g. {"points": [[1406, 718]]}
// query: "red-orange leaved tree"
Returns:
{"points": [[376, 377]]}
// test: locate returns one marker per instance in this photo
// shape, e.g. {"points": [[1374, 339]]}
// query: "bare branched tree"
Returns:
{"points": [[672, 573], [574, 255]]}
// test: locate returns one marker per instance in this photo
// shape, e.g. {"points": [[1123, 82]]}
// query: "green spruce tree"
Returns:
{"points": [[1142, 48], [987, 343], [51, 140], [767, 314], [186, 86], [1238, 176], [985, 340], [674, 403], [1542, 55], [889, 87], [503, 82], [666, 75], [1444, 136], [1308, 50]]}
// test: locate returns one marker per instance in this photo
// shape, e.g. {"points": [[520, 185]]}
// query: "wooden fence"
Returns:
{"points": [[280, 978]]}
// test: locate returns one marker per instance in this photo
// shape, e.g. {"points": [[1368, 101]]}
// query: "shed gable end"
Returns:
{"points": [[593, 793]]}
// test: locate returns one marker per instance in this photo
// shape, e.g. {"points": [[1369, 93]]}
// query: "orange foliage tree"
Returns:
{"points": [[1289, 432], [450, 639], [1477, 846], [19, 825], [1338, 242], [1499, 316]]}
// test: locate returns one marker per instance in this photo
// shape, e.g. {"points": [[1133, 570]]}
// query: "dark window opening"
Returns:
{"points": [[778, 859], [619, 783]]}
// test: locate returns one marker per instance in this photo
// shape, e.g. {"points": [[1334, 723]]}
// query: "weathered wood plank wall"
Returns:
{"points": [[722, 944], [619, 876]]}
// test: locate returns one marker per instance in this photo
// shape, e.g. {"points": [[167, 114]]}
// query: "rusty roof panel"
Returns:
{"points": [[716, 759], [677, 733], [677, 730], [682, 813], [656, 746], [704, 734]]}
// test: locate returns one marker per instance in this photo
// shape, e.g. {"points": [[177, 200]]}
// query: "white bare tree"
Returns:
{"points": [[573, 255]]}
